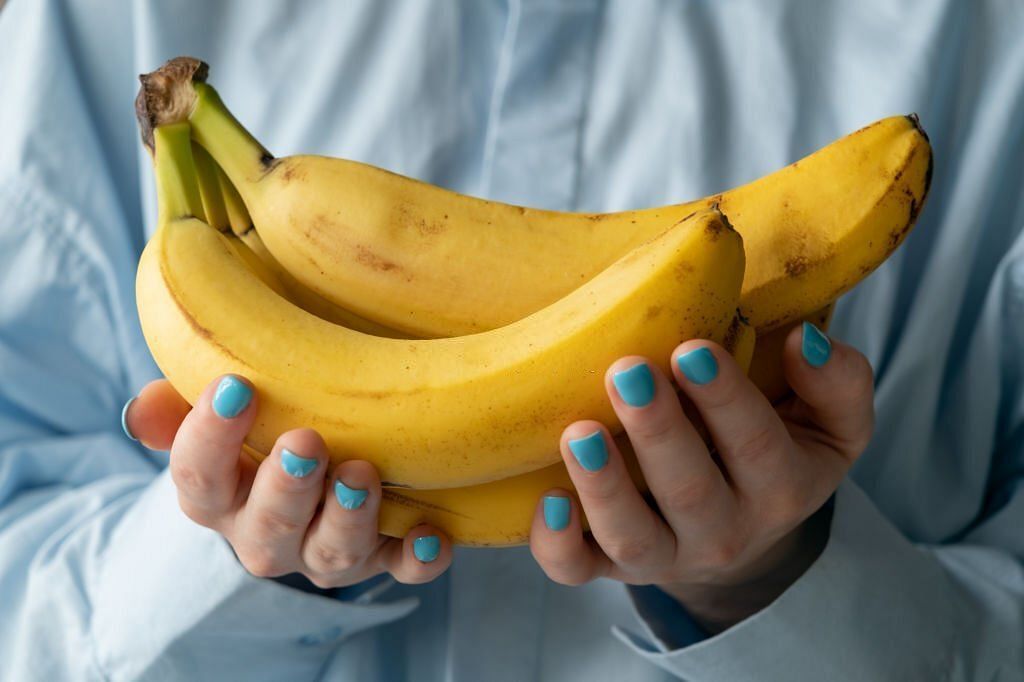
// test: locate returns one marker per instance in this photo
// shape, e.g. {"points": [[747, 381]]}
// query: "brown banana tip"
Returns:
{"points": [[166, 95], [742, 318], [916, 121]]}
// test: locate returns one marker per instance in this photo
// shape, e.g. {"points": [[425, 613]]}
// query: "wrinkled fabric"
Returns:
{"points": [[573, 105]]}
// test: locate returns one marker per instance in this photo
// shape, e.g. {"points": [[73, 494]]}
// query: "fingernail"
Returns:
{"points": [[698, 366], [816, 347], [426, 548], [590, 451], [296, 466], [556, 512], [124, 418], [635, 385], [231, 397], [349, 498]]}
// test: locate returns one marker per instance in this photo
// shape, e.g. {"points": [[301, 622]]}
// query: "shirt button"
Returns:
{"points": [[316, 639]]}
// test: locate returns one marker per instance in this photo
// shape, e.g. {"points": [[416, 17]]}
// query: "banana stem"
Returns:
{"points": [[210, 190], [177, 93], [242, 157], [238, 214], [176, 188]]}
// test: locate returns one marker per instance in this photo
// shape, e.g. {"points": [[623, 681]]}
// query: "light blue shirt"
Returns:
{"points": [[580, 104]]}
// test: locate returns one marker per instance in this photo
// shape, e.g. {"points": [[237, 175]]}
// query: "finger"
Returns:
{"points": [[424, 554], [271, 527], [558, 544], [751, 439], [629, 532], [690, 489], [153, 416], [344, 534], [835, 386], [204, 462]]}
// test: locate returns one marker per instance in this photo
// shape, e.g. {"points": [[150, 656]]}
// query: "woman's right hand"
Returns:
{"points": [[271, 512]]}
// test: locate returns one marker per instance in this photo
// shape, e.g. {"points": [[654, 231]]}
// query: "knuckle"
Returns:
{"points": [[757, 445], [194, 481], [789, 507], [687, 496], [629, 551], [270, 523], [654, 430], [261, 563], [604, 490], [721, 393], [325, 559], [721, 554]]}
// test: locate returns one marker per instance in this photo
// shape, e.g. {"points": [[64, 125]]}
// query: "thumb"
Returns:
{"points": [[834, 387], [153, 417]]}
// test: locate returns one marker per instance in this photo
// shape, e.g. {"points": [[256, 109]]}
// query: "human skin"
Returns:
{"points": [[732, 530]]}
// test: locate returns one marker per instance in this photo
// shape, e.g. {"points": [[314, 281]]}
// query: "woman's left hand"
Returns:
{"points": [[734, 531]]}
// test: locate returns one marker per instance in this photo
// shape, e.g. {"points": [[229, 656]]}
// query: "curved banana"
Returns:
{"points": [[373, 242], [427, 413], [500, 513]]}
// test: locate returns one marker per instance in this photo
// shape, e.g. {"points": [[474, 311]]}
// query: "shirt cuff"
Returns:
{"points": [[171, 598], [871, 607]]}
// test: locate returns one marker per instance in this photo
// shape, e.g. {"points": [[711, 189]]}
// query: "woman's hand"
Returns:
{"points": [[271, 512], [736, 529]]}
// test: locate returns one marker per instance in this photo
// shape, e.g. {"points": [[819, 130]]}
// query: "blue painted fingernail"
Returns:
{"points": [[556, 512], [296, 466], [590, 451], [698, 366], [426, 548], [815, 346], [635, 385], [124, 418], [349, 498], [231, 397]]}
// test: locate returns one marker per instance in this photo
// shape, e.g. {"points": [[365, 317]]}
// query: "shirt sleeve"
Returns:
{"points": [[877, 605], [101, 575]]}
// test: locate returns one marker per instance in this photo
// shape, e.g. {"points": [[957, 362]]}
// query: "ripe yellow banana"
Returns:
{"points": [[428, 413], [498, 513], [431, 262], [226, 212]]}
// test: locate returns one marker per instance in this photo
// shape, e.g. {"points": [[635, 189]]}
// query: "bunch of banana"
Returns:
{"points": [[341, 248]]}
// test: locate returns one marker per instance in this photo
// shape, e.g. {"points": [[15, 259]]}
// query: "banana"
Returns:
{"points": [[499, 513], [432, 263], [226, 212], [427, 413]]}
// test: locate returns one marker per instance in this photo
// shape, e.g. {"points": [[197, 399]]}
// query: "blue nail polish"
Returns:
{"points": [[635, 385], [556, 512], [426, 548], [698, 366], [124, 418], [349, 498], [296, 466], [816, 347], [231, 397], [590, 451]]}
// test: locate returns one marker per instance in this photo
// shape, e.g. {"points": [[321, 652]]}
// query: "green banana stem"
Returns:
{"points": [[238, 214], [241, 156], [176, 188], [210, 189]]}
